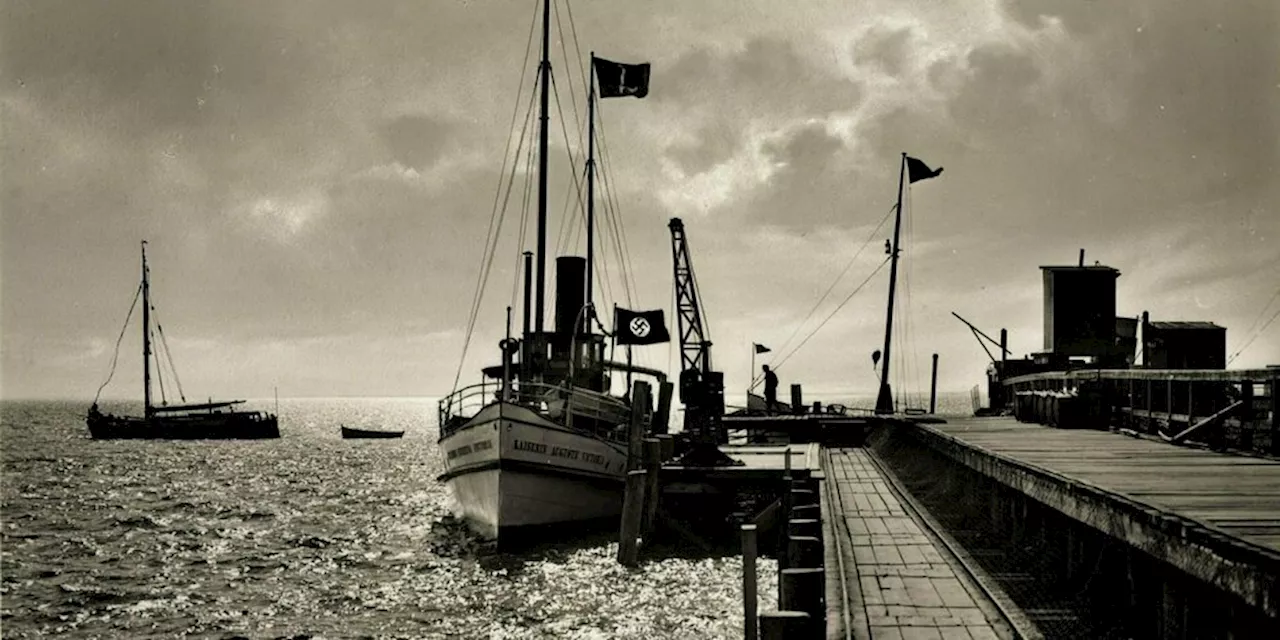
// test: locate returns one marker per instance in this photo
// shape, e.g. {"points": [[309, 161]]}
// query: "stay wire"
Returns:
{"points": [[495, 225], [116, 356], [835, 281]]}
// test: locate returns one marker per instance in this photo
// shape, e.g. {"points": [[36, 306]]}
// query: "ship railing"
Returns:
{"points": [[462, 405], [1230, 408]]}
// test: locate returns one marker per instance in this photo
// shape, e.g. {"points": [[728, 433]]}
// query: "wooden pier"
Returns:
{"points": [[1029, 531], [1187, 540], [890, 573]]}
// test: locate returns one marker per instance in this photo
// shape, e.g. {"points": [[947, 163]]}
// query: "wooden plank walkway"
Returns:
{"points": [[1236, 494], [888, 576]]}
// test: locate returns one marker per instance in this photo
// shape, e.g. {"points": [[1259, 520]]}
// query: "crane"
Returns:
{"points": [[701, 388]]}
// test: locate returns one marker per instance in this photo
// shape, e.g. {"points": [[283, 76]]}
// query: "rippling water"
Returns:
{"points": [[309, 535]]}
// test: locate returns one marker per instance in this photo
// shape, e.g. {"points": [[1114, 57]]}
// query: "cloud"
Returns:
{"points": [[325, 172]]}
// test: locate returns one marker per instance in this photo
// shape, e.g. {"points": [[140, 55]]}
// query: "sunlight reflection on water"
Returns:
{"points": [[307, 535]]}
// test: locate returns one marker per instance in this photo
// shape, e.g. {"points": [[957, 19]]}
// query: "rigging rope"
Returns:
{"points": [[615, 217], [567, 227], [116, 355], [1255, 336], [755, 380], [832, 314], [159, 371], [486, 259], [837, 279], [1262, 312], [168, 355], [526, 205]]}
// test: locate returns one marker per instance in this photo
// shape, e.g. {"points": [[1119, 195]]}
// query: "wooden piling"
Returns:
{"points": [[801, 497], [666, 447], [639, 420], [933, 387], [652, 466], [662, 414], [632, 513], [802, 589], [804, 552], [804, 527], [783, 625], [749, 596], [1275, 414], [787, 503]]}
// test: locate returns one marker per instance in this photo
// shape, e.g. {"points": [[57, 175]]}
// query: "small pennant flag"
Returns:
{"points": [[617, 80], [918, 170], [640, 327], [761, 348]]}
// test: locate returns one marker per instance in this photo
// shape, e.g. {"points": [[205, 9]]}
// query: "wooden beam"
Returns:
{"points": [[1191, 429]]}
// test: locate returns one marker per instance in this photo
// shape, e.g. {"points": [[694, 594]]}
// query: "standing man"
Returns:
{"points": [[770, 389]]}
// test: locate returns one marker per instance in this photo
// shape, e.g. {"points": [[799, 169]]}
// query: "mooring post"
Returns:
{"points": [[783, 625], [639, 409], [662, 415], [666, 446], [1275, 413], [801, 589], [632, 512], [803, 551], [933, 387], [797, 399], [785, 515], [749, 601], [652, 466]]}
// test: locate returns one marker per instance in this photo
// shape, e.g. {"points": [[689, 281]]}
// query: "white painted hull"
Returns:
{"points": [[509, 467]]}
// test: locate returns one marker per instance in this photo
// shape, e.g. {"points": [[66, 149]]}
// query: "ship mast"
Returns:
{"points": [[591, 185], [884, 401], [545, 71], [146, 336]]}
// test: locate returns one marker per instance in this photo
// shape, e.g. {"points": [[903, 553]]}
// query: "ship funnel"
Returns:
{"points": [[571, 282]]}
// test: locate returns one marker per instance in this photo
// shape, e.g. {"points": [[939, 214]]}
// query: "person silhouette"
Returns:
{"points": [[770, 388]]}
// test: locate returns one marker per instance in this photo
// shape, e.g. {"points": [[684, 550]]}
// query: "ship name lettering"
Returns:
{"points": [[564, 452], [592, 458], [534, 447]]}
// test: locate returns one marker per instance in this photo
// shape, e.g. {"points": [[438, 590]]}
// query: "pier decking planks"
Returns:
{"points": [[1239, 495], [898, 582]]}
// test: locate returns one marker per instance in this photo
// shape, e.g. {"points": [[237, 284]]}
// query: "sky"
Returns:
{"points": [[316, 180]]}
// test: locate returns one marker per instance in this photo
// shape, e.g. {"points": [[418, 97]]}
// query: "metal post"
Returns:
{"points": [[933, 387], [1275, 414]]}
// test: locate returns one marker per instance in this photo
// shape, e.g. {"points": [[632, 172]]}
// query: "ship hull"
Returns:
{"points": [[512, 470], [217, 426]]}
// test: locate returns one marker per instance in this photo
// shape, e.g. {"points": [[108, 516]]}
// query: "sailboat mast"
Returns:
{"points": [[884, 401], [146, 335], [591, 179], [545, 71]]}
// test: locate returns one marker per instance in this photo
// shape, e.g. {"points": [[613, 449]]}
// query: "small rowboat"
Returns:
{"points": [[348, 432]]}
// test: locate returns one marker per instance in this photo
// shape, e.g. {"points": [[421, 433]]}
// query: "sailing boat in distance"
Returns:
{"points": [[203, 421]]}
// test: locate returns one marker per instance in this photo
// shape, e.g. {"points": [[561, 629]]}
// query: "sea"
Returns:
{"points": [[308, 536]]}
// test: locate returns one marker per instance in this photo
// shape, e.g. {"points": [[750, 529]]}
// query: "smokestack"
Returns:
{"points": [[571, 293], [1082, 257]]}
